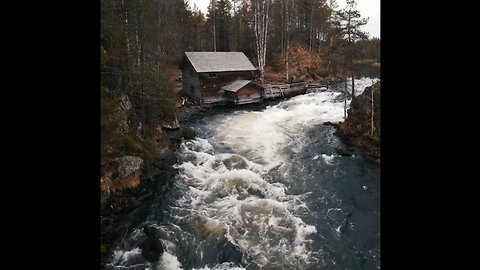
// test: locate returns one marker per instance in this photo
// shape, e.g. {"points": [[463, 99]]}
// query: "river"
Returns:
{"points": [[262, 187]]}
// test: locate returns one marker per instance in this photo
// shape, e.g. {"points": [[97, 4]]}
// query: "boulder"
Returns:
{"points": [[152, 247], [189, 134], [125, 166], [171, 124], [121, 173], [357, 127], [230, 253], [343, 152]]}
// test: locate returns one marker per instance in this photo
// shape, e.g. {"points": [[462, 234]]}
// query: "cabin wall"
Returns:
{"points": [[206, 87], [249, 94], [191, 84], [249, 91], [213, 82], [230, 96]]}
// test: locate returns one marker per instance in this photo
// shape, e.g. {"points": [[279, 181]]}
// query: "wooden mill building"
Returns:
{"points": [[243, 92], [219, 77]]}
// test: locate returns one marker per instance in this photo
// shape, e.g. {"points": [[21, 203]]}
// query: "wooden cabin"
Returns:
{"points": [[205, 73], [243, 92]]}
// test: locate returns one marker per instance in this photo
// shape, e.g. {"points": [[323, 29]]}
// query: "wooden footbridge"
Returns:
{"points": [[272, 91]]}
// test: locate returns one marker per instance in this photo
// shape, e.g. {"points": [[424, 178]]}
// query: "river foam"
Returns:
{"points": [[235, 187], [230, 193]]}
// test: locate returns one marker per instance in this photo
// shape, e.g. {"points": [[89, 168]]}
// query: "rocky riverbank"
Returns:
{"points": [[132, 184], [357, 128]]}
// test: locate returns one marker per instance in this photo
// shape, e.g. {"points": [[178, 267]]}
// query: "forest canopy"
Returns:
{"points": [[142, 42]]}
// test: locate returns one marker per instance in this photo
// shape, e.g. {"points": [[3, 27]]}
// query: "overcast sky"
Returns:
{"points": [[367, 8]]}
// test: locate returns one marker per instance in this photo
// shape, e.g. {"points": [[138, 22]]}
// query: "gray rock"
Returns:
{"points": [[343, 152], [173, 124], [125, 103], [230, 253], [125, 166], [235, 162], [189, 134], [252, 266], [152, 247]]}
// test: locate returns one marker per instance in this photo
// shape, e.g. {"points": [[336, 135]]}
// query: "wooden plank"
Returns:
{"points": [[215, 99], [284, 90], [249, 100]]}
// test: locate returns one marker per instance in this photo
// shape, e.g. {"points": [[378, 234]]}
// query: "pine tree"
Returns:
{"points": [[351, 22]]}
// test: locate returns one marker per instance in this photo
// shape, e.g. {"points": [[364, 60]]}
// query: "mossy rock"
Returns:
{"points": [[189, 134], [174, 146]]}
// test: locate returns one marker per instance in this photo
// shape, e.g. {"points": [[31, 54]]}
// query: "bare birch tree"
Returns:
{"points": [[287, 29], [261, 10]]}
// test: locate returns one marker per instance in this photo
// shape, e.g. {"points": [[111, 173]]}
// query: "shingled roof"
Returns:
{"points": [[219, 61]]}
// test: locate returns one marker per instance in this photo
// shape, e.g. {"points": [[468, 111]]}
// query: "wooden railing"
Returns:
{"points": [[283, 90]]}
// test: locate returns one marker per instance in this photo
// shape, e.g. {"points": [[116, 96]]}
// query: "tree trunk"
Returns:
{"points": [[261, 13], [214, 26], [353, 85], [287, 41], [350, 57], [234, 38], [371, 132], [127, 39], [311, 37]]}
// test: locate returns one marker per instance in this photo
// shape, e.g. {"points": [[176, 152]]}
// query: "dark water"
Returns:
{"points": [[264, 188]]}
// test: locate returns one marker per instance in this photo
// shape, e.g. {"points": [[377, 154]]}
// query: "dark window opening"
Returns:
{"points": [[212, 75]]}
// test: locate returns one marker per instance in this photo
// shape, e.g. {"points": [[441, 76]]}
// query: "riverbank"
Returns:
{"points": [[357, 128], [125, 208]]}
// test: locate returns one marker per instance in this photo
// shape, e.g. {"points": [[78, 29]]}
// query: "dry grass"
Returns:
{"points": [[131, 181]]}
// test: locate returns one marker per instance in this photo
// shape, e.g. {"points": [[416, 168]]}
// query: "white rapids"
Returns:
{"points": [[236, 184], [230, 194]]}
